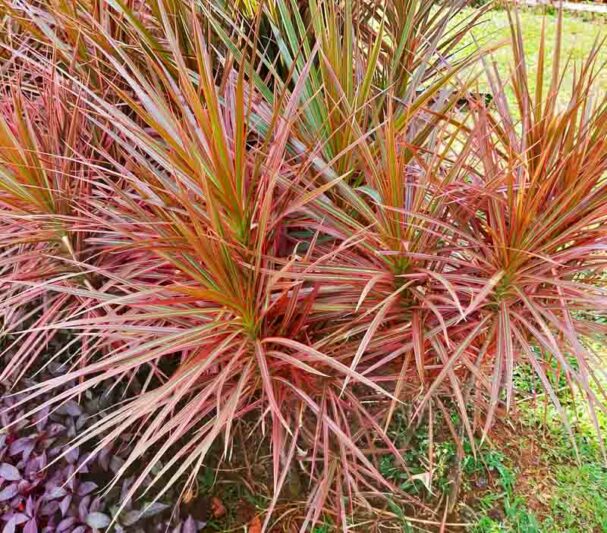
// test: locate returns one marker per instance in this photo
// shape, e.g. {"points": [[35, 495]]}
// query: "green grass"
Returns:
{"points": [[529, 479], [569, 491], [573, 494], [579, 37]]}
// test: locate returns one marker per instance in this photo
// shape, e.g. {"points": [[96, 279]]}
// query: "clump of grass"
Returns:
{"points": [[284, 212]]}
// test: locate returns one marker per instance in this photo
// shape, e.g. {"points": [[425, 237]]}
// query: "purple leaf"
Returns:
{"points": [[116, 463], [42, 418], [96, 504], [71, 482], [83, 508], [83, 463], [98, 520], [189, 526], [86, 488], [79, 529], [154, 509], [70, 408], [71, 427], [65, 504], [55, 493], [80, 421], [36, 464], [9, 472], [65, 524], [19, 518], [124, 490], [104, 459], [31, 527], [72, 455], [54, 451], [29, 506], [49, 508], [9, 526], [23, 446], [8, 492], [32, 470]]}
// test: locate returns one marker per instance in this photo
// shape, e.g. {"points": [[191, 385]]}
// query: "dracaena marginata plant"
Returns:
{"points": [[278, 214]]}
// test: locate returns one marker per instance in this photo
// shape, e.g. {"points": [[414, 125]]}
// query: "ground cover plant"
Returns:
{"points": [[48, 486], [299, 218]]}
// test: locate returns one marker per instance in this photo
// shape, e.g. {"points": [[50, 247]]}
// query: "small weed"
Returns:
{"points": [[579, 500], [323, 528]]}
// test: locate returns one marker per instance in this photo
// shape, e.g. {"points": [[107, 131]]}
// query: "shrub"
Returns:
{"points": [[281, 214], [47, 485]]}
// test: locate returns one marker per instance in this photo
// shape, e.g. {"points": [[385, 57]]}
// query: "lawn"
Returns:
{"points": [[579, 37]]}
